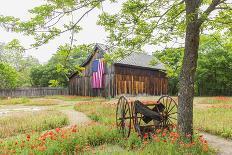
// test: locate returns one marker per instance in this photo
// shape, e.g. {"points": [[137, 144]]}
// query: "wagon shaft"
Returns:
{"points": [[148, 113]]}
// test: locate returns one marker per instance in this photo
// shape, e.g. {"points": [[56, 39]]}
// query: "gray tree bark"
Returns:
{"points": [[186, 81]]}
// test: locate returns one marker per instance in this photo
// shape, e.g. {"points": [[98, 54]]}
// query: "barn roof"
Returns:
{"points": [[140, 60], [135, 59]]}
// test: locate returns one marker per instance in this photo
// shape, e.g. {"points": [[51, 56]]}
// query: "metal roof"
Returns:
{"points": [[141, 60], [135, 59]]}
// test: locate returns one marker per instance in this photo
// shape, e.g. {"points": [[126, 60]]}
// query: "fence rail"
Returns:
{"points": [[33, 92]]}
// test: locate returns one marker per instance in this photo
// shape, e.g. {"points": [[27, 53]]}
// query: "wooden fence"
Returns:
{"points": [[33, 92]]}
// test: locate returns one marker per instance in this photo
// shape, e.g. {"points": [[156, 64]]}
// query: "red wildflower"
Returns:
{"points": [[164, 134], [145, 136], [158, 130], [51, 133], [57, 129], [74, 130], [28, 137]]}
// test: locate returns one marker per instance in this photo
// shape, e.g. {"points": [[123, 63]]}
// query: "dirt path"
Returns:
{"points": [[76, 117], [223, 146]]}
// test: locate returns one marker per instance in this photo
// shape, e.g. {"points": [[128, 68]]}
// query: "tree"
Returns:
{"points": [[62, 64], [8, 76], [214, 66], [138, 23], [21, 63]]}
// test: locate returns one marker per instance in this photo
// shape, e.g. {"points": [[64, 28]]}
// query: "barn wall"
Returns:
{"points": [[134, 81], [119, 80], [81, 85]]}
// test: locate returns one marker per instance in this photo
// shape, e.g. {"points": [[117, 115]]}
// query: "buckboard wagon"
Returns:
{"points": [[145, 117]]}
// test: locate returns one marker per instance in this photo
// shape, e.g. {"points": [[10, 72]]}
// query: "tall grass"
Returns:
{"points": [[216, 120], [97, 111], [28, 101], [31, 121]]}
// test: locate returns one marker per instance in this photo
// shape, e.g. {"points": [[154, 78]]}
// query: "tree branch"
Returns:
{"points": [[66, 30], [210, 9]]}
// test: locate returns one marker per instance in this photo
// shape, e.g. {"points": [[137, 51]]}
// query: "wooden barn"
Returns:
{"points": [[132, 75]]}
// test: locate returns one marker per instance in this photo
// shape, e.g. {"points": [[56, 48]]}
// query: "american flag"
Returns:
{"points": [[98, 71]]}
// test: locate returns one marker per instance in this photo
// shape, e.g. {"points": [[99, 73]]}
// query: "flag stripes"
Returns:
{"points": [[97, 79]]}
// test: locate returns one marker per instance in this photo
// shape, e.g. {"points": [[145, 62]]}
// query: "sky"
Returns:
{"points": [[91, 32]]}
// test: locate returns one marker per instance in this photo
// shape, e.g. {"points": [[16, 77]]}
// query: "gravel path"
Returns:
{"points": [[224, 146], [76, 117]]}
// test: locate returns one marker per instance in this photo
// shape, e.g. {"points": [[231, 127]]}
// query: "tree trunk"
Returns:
{"points": [[186, 81]]}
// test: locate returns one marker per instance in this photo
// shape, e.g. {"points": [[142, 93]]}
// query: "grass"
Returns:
{"points": [[100, 137], [216, 117], [29, 101], [213, 100], [105, 114], [93, 138], [75, 98], [98, 111], [13, 101], [21, 123], [212, 114]]}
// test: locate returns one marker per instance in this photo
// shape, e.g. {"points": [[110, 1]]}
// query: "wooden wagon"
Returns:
{"points": [[145, 117]]}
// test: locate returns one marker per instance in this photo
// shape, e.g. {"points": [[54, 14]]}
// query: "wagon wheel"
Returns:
{"points": [[123, 116], [169, 114]]}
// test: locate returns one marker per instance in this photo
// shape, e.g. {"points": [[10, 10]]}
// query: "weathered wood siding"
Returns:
{"points": [[81, 85], [33, 92], [135, 80]]}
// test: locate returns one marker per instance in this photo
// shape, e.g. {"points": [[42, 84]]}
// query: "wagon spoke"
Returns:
{"points": [[163, 102], [172, 108], [169, 104], [171, 121], [166, 103], [172, 113], [173, 118]]}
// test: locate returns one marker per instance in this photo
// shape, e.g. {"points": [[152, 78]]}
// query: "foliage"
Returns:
{"points": [[214, 70], [214, 65], [31, 121], [8, 75], [65, 62], [53, 83], [42, 74], [19, 62]]}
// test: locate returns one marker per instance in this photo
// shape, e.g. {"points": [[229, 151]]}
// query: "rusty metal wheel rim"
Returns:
{"points": [[123, 117], [168, 115]]}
